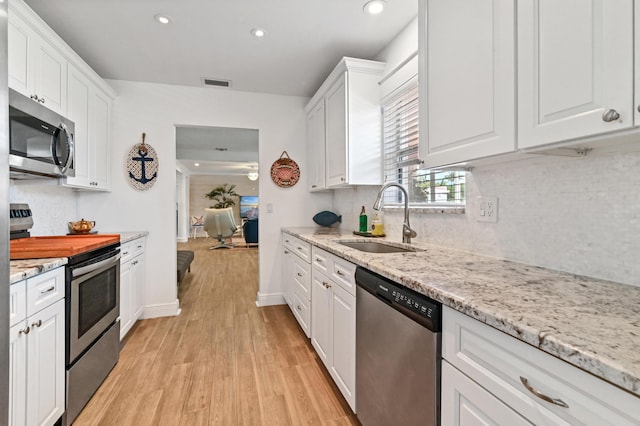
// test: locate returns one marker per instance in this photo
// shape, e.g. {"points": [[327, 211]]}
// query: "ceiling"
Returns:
{"points": [[121, 40], [305, 39], [216, 150]]}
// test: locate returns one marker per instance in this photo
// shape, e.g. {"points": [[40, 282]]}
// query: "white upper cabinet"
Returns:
{"points": [[315, 147], [348, 131], [467, 79], [36, 69], [575, 69]]}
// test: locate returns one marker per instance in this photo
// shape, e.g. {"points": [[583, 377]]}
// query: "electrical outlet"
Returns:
{"points": [[488, 209]]}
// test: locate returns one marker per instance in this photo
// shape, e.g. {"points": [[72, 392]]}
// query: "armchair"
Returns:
{"points": [[220, 224], [250, 231]]}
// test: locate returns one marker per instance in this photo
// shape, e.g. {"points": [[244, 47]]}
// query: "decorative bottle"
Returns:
{"points": [[363, 221]]}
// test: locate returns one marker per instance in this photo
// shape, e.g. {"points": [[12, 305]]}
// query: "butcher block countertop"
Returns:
{"points": [[590, 323], [59, 246]]}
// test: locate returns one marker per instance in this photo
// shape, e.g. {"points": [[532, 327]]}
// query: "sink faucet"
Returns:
{"points": [[407, 232]]}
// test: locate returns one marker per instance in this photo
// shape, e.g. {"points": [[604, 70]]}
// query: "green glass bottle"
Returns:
{"points": [[363, 221]]}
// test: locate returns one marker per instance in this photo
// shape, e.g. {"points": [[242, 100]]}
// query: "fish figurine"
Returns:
{"points": [[326, 218]]}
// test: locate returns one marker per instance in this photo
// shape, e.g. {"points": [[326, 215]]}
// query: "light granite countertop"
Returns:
{"points": [[22, 269], [27, 268], [590, 323]]}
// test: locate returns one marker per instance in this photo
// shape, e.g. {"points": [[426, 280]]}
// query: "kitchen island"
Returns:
{"points": [[589, 323]]}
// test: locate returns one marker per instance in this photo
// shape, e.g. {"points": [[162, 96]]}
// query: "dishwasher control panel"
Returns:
{"points": [[409, 302]]}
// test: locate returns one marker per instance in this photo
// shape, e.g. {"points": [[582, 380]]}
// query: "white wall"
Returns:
{"points": [[156, 109]]}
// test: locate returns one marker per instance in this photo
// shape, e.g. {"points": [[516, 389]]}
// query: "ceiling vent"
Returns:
{"points": [[216, 82]]}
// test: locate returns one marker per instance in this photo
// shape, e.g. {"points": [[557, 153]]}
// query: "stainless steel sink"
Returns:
{"points": [[375, 247]]}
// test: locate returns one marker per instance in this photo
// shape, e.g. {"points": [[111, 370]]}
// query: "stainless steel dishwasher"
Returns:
{"points": [[398, 353]]}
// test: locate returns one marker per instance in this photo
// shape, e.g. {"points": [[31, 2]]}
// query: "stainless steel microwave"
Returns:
{"points": [[40, 140]]}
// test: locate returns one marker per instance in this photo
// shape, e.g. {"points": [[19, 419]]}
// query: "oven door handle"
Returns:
{"points": [[96, 266]]}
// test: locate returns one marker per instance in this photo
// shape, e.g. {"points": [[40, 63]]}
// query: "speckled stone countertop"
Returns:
{"points": [[125, 237], [27, 268], [590, 323]]}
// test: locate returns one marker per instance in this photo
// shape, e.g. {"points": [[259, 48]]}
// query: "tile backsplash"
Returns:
{"points": [[52, 206], [579, 215]]}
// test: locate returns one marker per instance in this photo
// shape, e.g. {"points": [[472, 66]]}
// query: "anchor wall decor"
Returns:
{"points": [[142, 165]]}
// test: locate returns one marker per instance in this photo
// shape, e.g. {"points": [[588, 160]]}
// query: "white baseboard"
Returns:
{"points": [[269, 299], [183, 239], [161, 310]]}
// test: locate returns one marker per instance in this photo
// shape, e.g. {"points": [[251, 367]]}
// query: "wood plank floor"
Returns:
{"points": [[222, 361]]}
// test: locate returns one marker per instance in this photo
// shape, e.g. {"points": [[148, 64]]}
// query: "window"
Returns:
{"points": [[401, 163]]}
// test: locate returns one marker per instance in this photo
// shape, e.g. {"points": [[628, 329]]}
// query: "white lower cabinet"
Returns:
{"points": [[333, 319], [132, 284], [489, 377], [464, 402], [37, 351], [296, 276]]}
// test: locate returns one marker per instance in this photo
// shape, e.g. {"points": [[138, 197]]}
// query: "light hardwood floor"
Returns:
{"points": [[222, 361]]}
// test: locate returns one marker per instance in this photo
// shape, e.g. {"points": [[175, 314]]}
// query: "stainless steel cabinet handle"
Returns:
{"points": [[342, 179], [318, 260], [339, 272], [24, 331], [326, 285], [36, 324], [48, 290], [299, 274], [286, 252], [125, 253], [314, 186], [41, 100], [610, 115], [298, 307], [542, 396]]}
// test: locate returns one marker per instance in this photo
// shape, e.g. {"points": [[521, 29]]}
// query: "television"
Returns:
{"points": [[248, 206]]}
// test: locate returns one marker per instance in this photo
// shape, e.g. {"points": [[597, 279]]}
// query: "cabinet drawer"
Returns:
{"points": [[17, 302], [320, 260], [499, 363], [44, 290], [301, 248], [138, 246], [344, 274], [302, 277], [301, 311], [126, 252]]}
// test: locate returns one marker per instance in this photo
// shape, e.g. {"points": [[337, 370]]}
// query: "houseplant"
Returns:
{"points": [[223, 195]]}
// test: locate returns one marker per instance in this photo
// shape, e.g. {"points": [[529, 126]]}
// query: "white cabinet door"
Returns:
{"points": [[126, 279], [79, 90], [316, 147], [18, 374], [90, 109], [138, 277], [575, 63], [321, 318], [50, 76], [343, 369], [336, 133], [287, 271], [467, 80], [46, 362], [465, 403], [19, 36], [100, 139]]}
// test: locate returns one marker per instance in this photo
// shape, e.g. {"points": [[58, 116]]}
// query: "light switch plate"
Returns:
{"points": [[488, 209]]}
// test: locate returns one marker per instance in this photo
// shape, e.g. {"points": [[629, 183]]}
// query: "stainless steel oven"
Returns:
{"points": [[93, 308]]}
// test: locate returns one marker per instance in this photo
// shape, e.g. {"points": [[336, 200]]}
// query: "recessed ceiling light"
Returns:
{"points": [[163, 19], [258, 32], [196, 164], [374, 7]]}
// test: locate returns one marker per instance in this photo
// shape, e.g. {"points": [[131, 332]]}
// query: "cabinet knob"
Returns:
{"points": [[24, 331], [326, 285], [36, 324], [342, 179], [610, 115], [298, 307]]}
